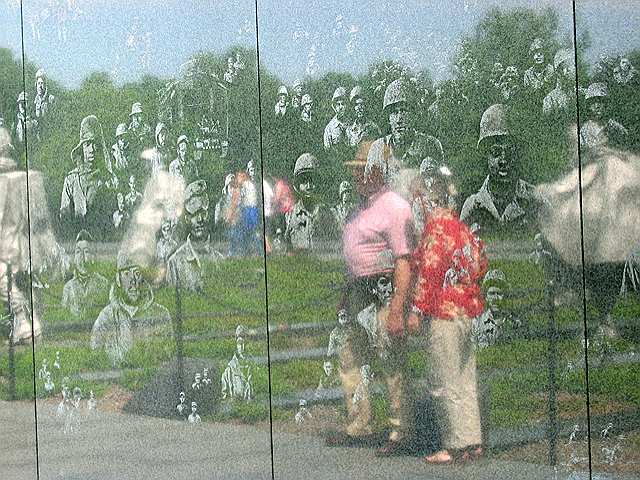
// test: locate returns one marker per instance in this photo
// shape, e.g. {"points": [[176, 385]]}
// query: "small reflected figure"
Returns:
{"points": [[237, 378], [44, 369], [193, 416], [49, 386], [182, 405], [330, 378], [303, 412], [197, 383], [92, 403], [338, 335], [56, 363]]}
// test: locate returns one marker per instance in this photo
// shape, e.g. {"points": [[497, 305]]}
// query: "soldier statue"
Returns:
{"points": [[504, 201], [43, 99], [132, 312], [600, 130], [87, 286], [343, 209], [184, 166], [557, 100], [139, 131]]}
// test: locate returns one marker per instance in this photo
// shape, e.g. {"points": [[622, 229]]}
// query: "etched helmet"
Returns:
{"points": [[339, 92], [394, 94], [596, 90], [22, 97], [356, 92], [493, 122], [305, 163], [136, 109], [283, 90], [121, 129], [537, 44], [306, 99], [562, 56]]}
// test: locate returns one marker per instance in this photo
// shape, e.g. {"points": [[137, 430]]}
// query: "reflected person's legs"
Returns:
{"points": [[454, 381], [394, 363], [352, 357], [19, 306]]}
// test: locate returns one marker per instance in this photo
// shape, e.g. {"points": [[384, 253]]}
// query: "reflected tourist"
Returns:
{"points": [[330, 377], [87, 286]]}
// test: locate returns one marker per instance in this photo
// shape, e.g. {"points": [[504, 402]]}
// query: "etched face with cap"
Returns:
{"points": [[41, 85], [240, 346], [340, 107], [500, 153], [82, 256], [327, 366], [596, 108], [384, 289], [197, 209], [343, 317], [306, 183], [88, 153], [182, 150], [399, 121], [120, 200], [130, 281], [359, 107]]}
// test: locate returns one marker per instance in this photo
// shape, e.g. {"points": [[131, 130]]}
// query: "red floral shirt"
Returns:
{"points": [[450, 264]]}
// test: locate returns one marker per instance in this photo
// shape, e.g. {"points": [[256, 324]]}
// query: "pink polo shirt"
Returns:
{"points": [[378, 235]]}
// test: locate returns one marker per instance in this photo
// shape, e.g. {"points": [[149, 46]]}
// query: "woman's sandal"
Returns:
{"points": [[473, 452], [443, 457]]}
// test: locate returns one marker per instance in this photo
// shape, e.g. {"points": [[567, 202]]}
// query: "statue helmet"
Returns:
{"points": [[394, 94], [306, 99], [493, 122], [305, 163], [136, 109], [121, 129], [356, 92], [339, 92], [283, 90], [596, 90], [182, 139], [40, 74], [495, 278], [84, 236], [344, 187]]}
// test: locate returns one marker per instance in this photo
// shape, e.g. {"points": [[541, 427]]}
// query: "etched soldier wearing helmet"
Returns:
{"points": [[400, 154], [43, 99], [504, 201], [362, 128], [540, 74], [600, 129], [335, 133]]}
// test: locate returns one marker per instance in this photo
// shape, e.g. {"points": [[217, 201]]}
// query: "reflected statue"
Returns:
{"points": [[237, 378], [343, 209], [86, 287], [504, 201], [303, 414], [557, 100], [540, 74], [131, 313], [43, 99], [194, 417]]}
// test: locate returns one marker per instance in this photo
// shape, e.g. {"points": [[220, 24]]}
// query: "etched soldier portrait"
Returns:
{"points": [[185, 265], [362, 128], [237, 378], [121, 215], [183, 166], [159, 157], [296, 99], [335, 133], [139, 130], [87, 286], [43, 100], [399, 154], [625, 73], [84, 186], [557, 100], [345, 207], [539, 75], [133, 196], [131, 314], [306, 105], [600, 129], [280, 108], [504, 201], [120, 151], [308, 220], [166, 244]]}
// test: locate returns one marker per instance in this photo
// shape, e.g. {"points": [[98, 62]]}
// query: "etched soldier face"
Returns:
{"points": [[359, 108], [120, 200], [182, 397], [400, 123], [122, 143], [131, 284], [625, 65], [240, 346], [197, 222], [538, 57], [282, 99], [307, 107], [339, 107], [132, 183], [327, 366], [343, 318], [182, 151], [136, 120], [597, 109], [384, 290], [88, 153], [40, 86], [494, 298], [500, 157], [194, 407], [297, 88], [22, 106], [306, 184], [82, 256]]}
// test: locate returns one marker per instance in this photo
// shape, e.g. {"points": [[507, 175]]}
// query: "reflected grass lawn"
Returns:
{"points": [[305, 290]]}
